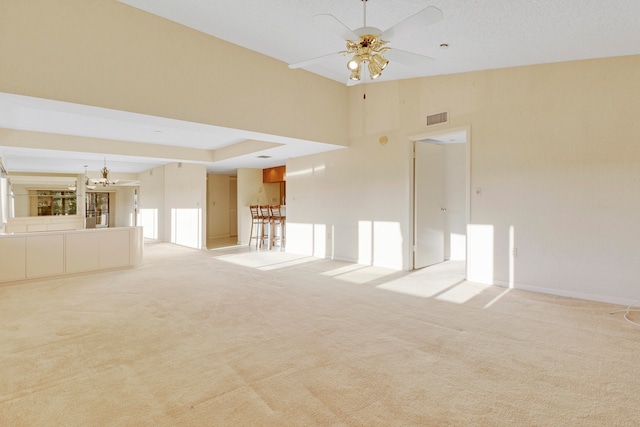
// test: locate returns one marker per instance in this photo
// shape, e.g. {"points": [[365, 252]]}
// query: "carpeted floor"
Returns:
{"points": [[233, 337]]}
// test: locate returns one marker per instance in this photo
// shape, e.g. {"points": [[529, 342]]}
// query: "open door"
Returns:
{"points": [[429, 195]]}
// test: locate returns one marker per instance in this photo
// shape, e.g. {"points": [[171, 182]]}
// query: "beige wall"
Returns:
{"points": [[218, 207], [173, 204], [21, 201], [553, 150], [185, 204], [107, 54], [124, 202], [455, 198], [151, 215], [331, 196]]}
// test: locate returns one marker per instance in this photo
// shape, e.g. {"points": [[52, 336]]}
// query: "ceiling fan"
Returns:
{"points": [[368, 45]]}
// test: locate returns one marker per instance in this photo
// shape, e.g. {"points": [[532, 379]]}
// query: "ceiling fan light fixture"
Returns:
{"points": [[355, 74], [368, 50], [379, 60], [367, 44], [374, 70], [354, 63]]}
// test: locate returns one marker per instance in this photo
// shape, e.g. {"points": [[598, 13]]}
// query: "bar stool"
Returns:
{"points": [[266, 225], [256, 220], [278, 232]]}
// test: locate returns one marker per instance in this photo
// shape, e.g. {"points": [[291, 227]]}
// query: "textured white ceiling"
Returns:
{"points": [[481, 34]]}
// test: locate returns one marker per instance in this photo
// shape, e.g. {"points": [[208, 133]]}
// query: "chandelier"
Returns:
{"points": [[88, 183], [105, 180]]}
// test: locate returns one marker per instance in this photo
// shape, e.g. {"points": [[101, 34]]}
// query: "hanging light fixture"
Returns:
{"points": [[368, 50], [105, 180], [88, 183]]}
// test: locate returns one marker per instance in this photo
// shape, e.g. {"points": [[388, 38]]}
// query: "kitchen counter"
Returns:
{"points": [[53, 253]]}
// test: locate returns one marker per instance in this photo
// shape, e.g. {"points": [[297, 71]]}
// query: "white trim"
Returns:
{"points": [[569, 294], [343, 259], [410, 262]]}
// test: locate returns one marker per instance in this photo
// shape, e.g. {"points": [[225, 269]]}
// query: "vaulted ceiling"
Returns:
{"points": [[480, 34]]}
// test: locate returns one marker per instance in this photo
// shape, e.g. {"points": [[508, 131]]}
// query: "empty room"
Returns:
{"points": [[340, 212]]}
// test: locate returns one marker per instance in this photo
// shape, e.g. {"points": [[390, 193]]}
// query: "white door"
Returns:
{"points": [[429, 215]]}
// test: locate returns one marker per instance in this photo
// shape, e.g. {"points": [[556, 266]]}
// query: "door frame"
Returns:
{"points": [[414, 139]]}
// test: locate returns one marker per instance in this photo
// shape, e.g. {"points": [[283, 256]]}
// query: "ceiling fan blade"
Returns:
{"points": [[311, 61], [331, 24], [416, 22], [408, 58]]}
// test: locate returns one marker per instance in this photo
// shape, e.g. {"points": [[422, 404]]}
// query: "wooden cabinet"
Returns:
{"points": [[277, 174]]}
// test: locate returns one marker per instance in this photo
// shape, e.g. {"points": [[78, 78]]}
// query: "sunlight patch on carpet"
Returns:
{"points": [[426, 289], [359, 273], [266, 260], [463, 292]]}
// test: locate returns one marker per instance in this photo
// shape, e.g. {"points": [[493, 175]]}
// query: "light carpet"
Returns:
{"points": [[234, 337]]}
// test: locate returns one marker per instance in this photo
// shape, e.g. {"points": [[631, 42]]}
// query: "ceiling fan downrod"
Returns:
{"points": [[364, 13]]}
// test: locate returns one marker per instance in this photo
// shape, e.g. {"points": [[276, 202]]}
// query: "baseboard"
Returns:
{"points": [[570, 294], [343, 259], [222, 236]]}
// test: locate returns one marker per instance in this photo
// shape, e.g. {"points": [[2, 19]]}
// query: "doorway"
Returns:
{"points": [[441, 183], [98, 210]]}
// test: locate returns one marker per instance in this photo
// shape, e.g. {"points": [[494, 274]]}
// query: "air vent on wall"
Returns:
{"points": [[437, 118]]}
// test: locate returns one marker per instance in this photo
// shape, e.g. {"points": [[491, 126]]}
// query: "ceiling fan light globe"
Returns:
{"points": [[374, 70], [380, 61], [355, 75], [354, 63]]}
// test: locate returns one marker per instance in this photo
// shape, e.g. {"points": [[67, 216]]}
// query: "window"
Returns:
{"points": [[51, 202]]}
